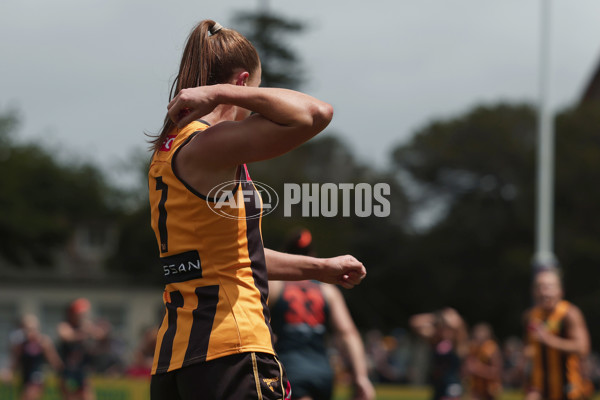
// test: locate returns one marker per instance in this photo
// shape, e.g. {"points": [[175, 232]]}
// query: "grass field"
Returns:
{"points": [[389, 392], [129, 389], [402, 392]]}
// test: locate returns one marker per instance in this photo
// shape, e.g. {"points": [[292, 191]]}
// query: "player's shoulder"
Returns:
{"points": [[573, 311], [179, 136], [191, 130], [331, 292]]}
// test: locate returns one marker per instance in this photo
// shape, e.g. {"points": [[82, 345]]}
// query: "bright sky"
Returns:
{"points": [[90, 76]]}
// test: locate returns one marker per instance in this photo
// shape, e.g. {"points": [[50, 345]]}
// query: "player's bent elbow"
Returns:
{"points": [[312, 118], [323, 115], [583, 350], [315, 117]]}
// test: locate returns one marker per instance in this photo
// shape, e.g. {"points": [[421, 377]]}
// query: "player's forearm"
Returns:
{"points": [[54, 360], [568, 345], [354, 350], [345, 270], [292, 267], [282, 106]]}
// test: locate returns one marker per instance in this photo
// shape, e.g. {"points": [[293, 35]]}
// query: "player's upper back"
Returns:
{"points": [[185, 220]]}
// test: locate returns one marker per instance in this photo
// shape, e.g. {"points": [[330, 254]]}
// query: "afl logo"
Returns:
{"points": [[242, 200]]}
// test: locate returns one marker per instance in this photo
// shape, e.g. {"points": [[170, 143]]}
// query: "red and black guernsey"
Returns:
{"points": [[300, 320], [213, 264]]}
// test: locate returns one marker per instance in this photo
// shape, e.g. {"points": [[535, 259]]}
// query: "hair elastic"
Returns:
{"points": [[216, 28]]}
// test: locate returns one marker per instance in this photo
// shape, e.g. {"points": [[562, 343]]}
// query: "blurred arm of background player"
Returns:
{"points": [[346, 270], [577, 338], [350, 341], [428, 325], [461, 335]]}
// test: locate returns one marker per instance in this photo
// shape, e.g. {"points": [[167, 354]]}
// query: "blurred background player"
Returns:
{"points": [[483, 365], [76, 337], [447, 333], [107, 350], [558, 340], [29, 357], [515, 363], [303, 313], [141, 366]]}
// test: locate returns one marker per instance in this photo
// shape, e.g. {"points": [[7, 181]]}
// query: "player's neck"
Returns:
{"points": [[223, 112]]}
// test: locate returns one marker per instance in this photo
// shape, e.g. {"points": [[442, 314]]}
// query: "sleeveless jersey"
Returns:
{"points": [[32, 361], [555, 374], [484, 388], [213, 265], [300, 317], [445, 371]]}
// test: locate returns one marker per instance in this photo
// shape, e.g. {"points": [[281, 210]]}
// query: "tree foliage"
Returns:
{"points": [[577, 221], [477, 255], [136, 254], [43, 199]]}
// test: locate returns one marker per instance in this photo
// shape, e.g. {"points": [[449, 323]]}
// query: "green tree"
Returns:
{"points": [[136, 254], [479, 170], [577, 233], [43, 200]]}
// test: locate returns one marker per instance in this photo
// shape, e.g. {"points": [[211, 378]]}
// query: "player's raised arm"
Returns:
{"points": [[283, 120], [345, 270]]}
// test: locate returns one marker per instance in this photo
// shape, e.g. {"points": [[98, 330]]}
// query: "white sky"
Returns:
{"points": [[90, 76]]}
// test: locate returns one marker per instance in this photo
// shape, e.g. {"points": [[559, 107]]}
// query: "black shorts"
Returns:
{"points": [[245, 376]]}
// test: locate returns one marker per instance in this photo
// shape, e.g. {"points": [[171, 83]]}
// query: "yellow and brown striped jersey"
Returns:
{"points": [[213, 264], [555, 374], [480, 387]]}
